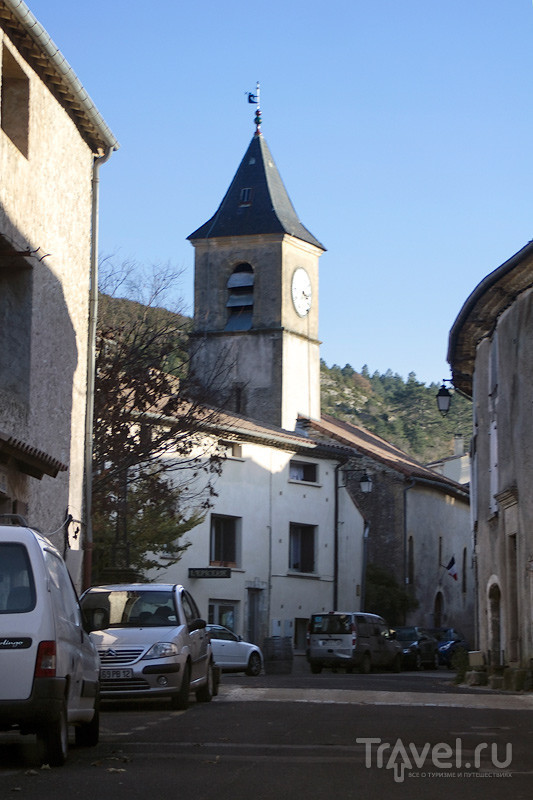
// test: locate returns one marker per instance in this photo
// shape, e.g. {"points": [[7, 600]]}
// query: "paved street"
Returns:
{"points": [[409, 735]]}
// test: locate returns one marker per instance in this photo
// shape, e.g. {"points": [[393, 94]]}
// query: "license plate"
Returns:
{"points": [[329, 643], [115, 674]]}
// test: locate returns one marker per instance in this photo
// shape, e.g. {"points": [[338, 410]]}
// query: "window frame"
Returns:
{"points": [[309, 471], [215, 547], [298, 560]]}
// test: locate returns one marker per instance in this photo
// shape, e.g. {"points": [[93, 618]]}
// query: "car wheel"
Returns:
{"points": [[418, 662], [397, 663], [316, 669], [435, 664], [87, 734], [205, 692], [180, 701], [55, 739], [254, 665], [366, 664]]}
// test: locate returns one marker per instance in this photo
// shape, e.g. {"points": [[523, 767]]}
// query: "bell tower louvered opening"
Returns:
{"points": [[240, 302]]}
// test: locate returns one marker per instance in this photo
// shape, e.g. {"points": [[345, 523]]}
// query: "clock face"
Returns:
{"points": [[301, 291]]}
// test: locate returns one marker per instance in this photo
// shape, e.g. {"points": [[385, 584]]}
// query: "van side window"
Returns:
{"points": [[363, 628], [17, 587], [63, 595]]}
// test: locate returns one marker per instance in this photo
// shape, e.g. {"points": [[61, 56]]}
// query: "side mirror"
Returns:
{"points": [[197, 624]]}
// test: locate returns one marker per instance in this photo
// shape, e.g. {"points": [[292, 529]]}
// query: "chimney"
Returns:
{"points": [[458, 445]]}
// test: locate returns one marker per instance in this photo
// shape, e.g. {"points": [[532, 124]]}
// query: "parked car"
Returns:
{"points": [[351, 640], [152, 642], [419, 648], [48, 663], [232, 654], [450, 641]]}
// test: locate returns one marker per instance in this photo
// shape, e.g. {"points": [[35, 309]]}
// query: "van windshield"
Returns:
{"points": [[331, 623], [17, 587], [129, 609]]}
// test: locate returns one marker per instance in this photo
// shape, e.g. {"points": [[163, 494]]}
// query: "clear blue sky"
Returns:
{"points": [[402, 129]]}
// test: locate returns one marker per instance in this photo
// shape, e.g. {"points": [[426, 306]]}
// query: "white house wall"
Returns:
{"points": [[257, 488]]}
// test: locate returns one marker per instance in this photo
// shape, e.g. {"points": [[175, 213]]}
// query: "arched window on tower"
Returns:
{"points": [[240, 303]]}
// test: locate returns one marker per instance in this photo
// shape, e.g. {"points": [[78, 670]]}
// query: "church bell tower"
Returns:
{"points": [[255, 333]]}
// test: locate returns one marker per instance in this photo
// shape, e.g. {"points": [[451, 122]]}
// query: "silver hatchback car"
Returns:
{"points": [[151, 641]]}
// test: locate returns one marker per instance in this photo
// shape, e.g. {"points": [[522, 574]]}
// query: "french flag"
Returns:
{"points": [[452, 569]]}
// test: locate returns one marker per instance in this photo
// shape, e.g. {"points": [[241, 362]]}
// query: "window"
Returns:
{"points": [[231, 449], [240, 303], [190, 609], [302, 548], [17, 588], [246, 197], [61, 590], [15, 102], [223, 612], [303, 471], [224, 541]]}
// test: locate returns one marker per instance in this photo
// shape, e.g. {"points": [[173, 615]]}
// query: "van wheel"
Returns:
{"points": [[55, 739], [205, 693], [87, 734], [316, 669], [180, 701], [366, 664]]}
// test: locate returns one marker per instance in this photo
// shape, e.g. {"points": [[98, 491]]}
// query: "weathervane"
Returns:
{"points": [[255, 98]]}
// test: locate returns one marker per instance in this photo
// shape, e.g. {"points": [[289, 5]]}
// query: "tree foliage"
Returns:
{"points": [[386, 597], [153, 463]]}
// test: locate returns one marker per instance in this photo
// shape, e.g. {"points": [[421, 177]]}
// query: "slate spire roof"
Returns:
{"points": [[256, 201]]}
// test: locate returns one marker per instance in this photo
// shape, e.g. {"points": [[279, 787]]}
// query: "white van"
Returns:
{"points": [[351, 640], [48, 664]]}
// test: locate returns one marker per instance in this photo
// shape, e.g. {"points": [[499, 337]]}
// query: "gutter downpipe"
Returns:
{"points": [[336, 541], [405, 566], [366, 534], [91, 369]]}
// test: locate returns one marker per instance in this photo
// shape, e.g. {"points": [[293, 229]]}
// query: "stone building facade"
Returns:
{"points": [[491, 356], [52, 140]]}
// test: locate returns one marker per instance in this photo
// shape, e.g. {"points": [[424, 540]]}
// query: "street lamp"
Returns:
{"points": [[365, 481], [444, 398]]}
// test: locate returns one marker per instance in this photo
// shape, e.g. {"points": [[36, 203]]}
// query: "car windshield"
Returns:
{"points": [[130, 609], [406, 634], [331, 623]]}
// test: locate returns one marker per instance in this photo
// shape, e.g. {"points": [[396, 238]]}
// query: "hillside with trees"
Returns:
{"points": [[404, 412]]}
